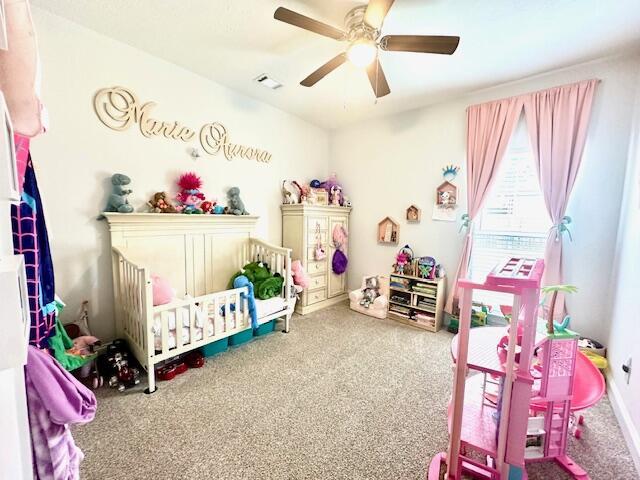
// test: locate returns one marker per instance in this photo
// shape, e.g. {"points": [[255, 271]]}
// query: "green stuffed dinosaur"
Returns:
{"points": [[265, 284]]}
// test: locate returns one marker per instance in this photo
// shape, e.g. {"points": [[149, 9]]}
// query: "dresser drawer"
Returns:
{"points": [[317, 281], [316, 267], [315, 223], [315, 297]]}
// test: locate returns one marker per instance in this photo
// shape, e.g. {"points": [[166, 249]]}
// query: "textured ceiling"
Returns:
{"points": [[234, 41]]}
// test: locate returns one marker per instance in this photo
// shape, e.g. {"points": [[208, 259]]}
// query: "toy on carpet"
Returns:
{"points": [[190, 196], [73, 346], [118, 201], [116, 365], [339, 261], [159, 203], [242, 281], [178, 365], [370, 292], [236, 205], [300, 277]]}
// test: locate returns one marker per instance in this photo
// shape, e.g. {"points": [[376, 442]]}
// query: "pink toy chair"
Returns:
{"points": [[378, 308]]}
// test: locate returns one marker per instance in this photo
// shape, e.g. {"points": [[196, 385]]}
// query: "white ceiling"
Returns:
{"points": [[233, 41]]}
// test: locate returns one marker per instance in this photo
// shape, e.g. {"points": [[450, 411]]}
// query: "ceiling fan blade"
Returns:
{"points": [[420, 43], [376, 12], [379, 84], [324, 70], [289, 16]]}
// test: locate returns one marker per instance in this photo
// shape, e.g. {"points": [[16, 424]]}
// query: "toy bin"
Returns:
{"points": [[215, 347], [265, 328], [240, 337]]}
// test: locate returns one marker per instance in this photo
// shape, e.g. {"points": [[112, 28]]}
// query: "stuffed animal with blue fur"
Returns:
{"points": [[118, 201], [240, 282], [235, 203]]}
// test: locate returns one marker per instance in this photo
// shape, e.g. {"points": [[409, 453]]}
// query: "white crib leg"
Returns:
{"points": [[151, 379], [287, 318]]}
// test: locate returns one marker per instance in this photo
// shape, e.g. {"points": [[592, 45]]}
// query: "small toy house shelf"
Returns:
{"points": [[417, 301], [413, 214], [388, 231], [447, 195]]}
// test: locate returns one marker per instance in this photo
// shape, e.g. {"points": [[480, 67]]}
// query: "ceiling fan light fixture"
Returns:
{"points": [[362, 53]]}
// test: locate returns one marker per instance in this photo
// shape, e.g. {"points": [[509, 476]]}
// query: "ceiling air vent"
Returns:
{"points": [[268, 82]]}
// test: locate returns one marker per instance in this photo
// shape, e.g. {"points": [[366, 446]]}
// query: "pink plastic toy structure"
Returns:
{"points": [[518, 410]]}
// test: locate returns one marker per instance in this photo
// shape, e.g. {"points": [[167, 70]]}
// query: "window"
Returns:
{"points": [[513, 220]]}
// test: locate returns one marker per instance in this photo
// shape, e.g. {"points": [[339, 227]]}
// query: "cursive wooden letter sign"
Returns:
{"points": [[118, 108]]}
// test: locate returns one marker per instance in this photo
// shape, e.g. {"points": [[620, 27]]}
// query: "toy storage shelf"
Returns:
{"points": [[432, 303]]}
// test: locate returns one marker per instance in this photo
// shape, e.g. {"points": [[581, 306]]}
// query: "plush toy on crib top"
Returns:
{"points": [[159, 203], [370, 292], [190, 196], [236, 205], [118, 201]]}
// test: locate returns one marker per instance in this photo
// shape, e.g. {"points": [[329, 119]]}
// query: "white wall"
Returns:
{"points": [[625, 334], [387, 164], [76, 156]]}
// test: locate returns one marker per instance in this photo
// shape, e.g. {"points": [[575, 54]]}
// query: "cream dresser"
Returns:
{"points": [[302, 225]]}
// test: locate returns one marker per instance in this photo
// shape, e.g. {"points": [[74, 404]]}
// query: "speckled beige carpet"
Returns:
{"points": [[343, 396]]}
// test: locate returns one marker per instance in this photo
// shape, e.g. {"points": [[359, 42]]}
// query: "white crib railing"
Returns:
{"points": [[226, 311]]}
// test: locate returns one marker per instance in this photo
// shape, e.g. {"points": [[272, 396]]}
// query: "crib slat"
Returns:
{"points": [[192, 324], [216, 313], [178, 312], [164, 320]]}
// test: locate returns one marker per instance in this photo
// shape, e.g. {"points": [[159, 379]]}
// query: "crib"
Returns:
{"points": [[198, 254]]}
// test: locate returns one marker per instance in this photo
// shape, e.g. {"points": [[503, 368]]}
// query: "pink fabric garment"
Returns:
{"points": [[489, 129], [557, 121], [22, 157], [55, 399], [20, 70]]}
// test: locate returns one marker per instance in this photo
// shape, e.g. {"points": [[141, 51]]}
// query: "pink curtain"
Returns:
{"points": [[557, 120], [489, 129]]}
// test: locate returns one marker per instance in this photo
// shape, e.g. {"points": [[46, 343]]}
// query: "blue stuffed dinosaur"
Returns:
{"points": [[242, 281]]}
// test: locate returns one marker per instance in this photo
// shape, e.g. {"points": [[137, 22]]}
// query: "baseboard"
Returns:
{"points": [[629, 430]]}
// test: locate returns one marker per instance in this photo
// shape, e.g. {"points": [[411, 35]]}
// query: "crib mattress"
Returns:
{"points": [[264, 308]]}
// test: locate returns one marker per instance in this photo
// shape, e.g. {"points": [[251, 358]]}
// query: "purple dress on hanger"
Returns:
{"points": [[55, 399]]}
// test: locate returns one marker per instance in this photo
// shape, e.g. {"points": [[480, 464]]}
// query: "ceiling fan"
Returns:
{"points": [[362, 32]]}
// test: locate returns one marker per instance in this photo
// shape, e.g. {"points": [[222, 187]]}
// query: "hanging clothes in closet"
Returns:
{"points": [[30, 239], [55, 399]]}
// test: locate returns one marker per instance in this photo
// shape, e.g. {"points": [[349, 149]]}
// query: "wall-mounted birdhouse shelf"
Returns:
{"points": [[413, 214], [388, 231]]}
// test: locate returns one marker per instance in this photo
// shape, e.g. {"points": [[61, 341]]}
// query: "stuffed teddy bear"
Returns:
{"points": [[236, 205], [300, 277], [160, 204], [118, 201]]}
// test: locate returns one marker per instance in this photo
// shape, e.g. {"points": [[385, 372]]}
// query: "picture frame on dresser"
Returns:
{"points": [[10, 189], [303, 227]]}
